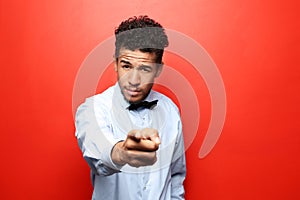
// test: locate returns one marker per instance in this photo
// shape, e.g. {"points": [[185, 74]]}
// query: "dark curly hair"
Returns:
{"points": [[141, 33]]}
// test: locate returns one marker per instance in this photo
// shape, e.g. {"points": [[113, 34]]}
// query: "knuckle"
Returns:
{"points": [[152, 146], [128, 144]]}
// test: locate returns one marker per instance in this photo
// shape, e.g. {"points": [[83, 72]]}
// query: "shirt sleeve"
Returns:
{"points": [[95, 138], [178, 167]]}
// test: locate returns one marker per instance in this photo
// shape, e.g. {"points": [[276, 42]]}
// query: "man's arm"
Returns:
{"points": [[95, 138], [178, 167], [106, 155]]}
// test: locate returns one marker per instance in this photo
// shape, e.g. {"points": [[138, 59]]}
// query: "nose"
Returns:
{"points": [[134, 78]]}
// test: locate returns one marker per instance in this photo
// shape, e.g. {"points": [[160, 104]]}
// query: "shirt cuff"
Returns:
{"points": [[107, 160]]}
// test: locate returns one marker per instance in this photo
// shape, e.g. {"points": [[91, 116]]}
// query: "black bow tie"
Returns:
{"points": [[143, 104]]}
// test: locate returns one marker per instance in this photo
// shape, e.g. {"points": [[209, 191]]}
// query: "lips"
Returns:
{"points": [[132, 92]]}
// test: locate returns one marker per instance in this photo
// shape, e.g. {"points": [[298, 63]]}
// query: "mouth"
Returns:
{"points": [[132, 91]]}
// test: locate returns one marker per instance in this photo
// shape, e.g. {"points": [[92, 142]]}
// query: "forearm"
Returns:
{"points": [[95, 140], [99, 159]]}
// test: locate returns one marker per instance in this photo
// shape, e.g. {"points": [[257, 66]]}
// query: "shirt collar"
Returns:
{"points": [[118, 97]]}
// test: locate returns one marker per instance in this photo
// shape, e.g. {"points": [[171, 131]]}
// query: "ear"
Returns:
{"points": [[159, 69], [115, 64]]}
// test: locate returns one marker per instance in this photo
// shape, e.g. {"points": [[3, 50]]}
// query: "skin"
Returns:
{"points": [[139, 148], [136, 73]]}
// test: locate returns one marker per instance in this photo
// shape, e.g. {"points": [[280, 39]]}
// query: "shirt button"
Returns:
{"points": [[144, 188]]}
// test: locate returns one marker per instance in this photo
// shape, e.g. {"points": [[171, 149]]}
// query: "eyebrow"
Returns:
{"points": [[141, 66], [126, 62]]}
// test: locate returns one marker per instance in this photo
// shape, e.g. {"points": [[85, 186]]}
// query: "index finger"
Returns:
{"points": [[150, 134], [135, 135]]}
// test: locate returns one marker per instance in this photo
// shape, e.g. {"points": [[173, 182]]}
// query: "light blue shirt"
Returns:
{"points": [[103, 120]]}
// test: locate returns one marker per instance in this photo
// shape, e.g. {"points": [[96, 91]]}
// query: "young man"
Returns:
{"points": [[130, 135]]}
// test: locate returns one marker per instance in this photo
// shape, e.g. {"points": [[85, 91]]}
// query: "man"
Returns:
{"points": [[130, 135]]}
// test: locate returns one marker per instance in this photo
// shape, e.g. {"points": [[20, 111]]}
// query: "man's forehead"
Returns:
{"points": [[137, 55]]}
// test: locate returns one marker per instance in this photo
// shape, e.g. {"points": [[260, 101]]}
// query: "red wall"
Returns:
{"points": [[255, 45]]}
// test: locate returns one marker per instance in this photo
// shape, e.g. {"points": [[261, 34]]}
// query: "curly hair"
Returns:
{"points": [[141, 33]]}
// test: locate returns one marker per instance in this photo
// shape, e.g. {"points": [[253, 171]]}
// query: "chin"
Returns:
{"points": [[134, 99]]}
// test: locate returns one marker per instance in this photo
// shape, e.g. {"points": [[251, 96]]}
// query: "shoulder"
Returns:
{"points": [[104, 97], [102, 100]]}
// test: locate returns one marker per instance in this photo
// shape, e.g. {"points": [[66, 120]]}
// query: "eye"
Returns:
{"points": [[126, 67], [146, 69]]}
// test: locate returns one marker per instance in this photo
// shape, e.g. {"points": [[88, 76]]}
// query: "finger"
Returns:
{"points": [[150, 134], [141, 145], [155, 139], [135, 135], [147, 145]]}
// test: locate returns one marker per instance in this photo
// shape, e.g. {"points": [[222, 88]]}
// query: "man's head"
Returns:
{"points": [[141, 33], [139, 47]]}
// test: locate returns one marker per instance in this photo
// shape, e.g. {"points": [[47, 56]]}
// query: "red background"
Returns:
{"points": [[255, 45]]}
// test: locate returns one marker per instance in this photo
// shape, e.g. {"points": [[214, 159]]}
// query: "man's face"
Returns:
{"points": [[136, 72]]}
